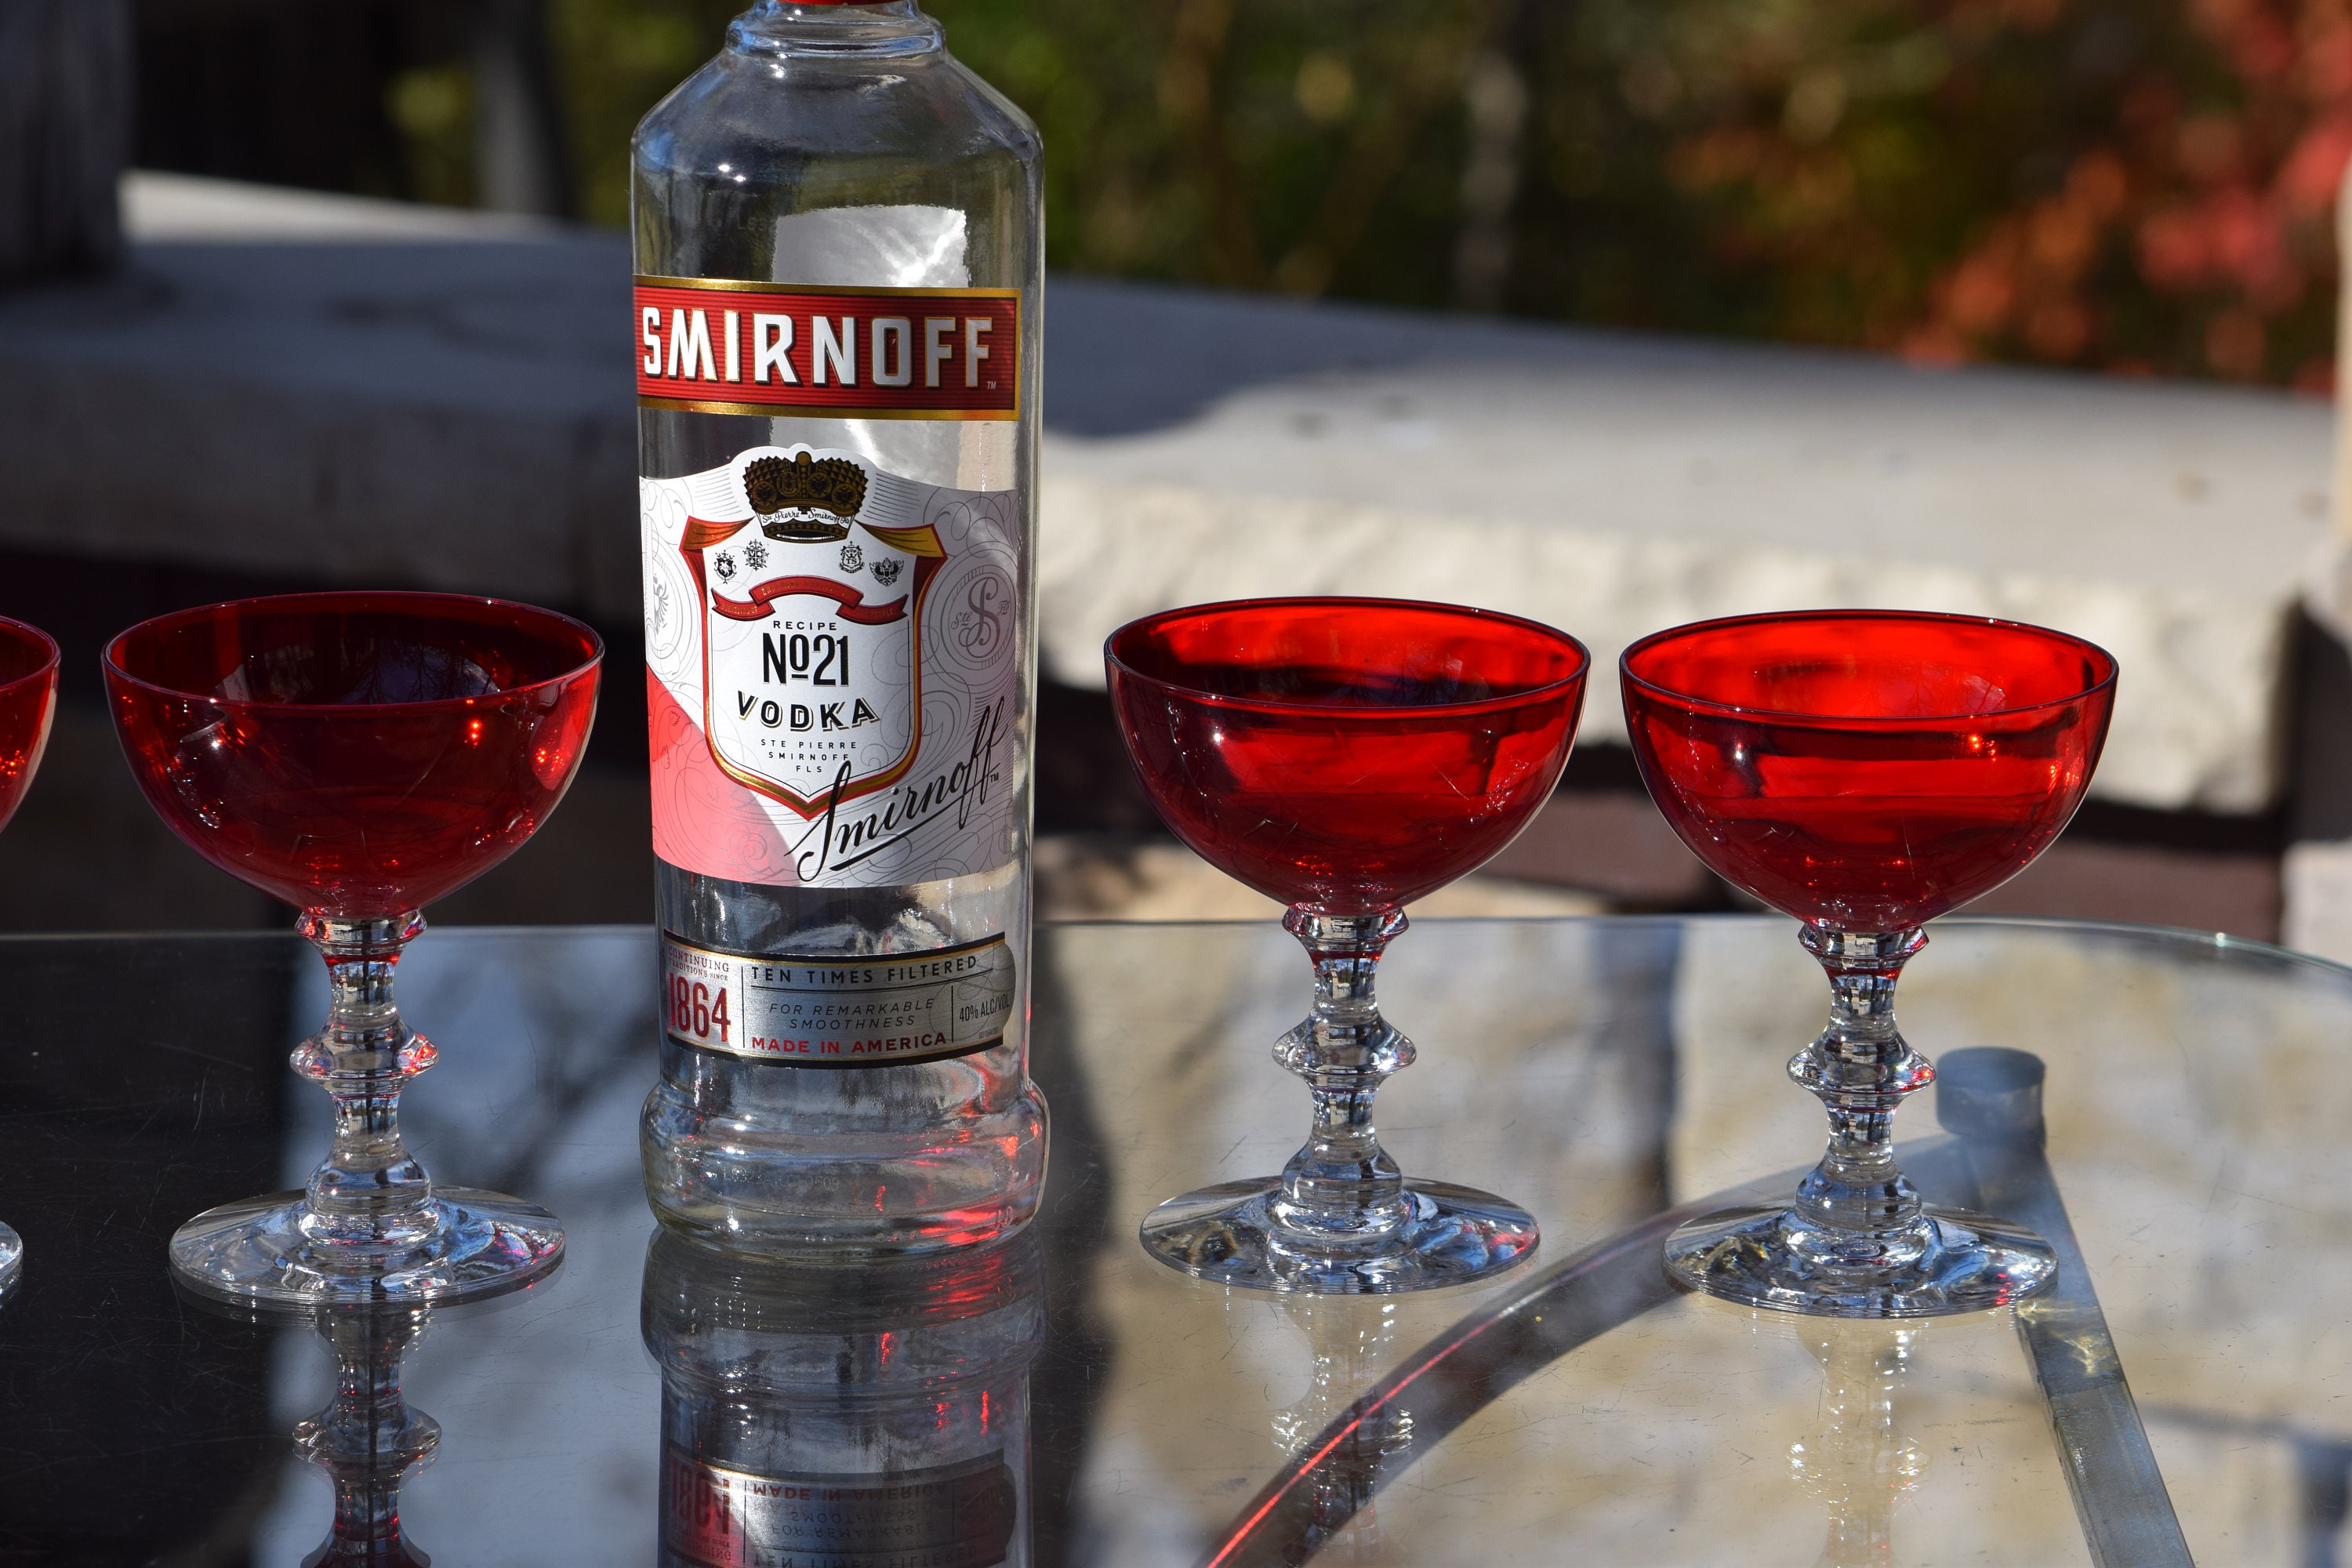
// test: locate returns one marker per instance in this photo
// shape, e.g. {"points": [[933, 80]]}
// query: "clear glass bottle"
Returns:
{"points": [[868, 1414], [839, 250]]}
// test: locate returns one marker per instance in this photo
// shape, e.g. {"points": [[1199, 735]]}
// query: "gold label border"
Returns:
{"points": [[823, 410], [746, 286]]}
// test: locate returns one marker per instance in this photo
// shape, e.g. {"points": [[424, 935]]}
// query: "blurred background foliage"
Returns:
{"points": [[2138, 187]]}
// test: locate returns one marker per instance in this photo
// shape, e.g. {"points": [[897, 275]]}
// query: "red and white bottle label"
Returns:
{"points": [[716, 346], [832, 664]]}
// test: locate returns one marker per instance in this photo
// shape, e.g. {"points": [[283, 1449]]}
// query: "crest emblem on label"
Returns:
{"points": [[813, 670], [832, 671]]}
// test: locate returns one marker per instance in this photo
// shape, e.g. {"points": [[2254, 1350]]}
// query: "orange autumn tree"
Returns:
{"points": [[2224, 206], [2139, 186]]}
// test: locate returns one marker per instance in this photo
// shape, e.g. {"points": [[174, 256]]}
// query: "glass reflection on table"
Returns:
{"points": [[853, 1413], [1858, 1461], [368, 1441], [1350, 1342]]}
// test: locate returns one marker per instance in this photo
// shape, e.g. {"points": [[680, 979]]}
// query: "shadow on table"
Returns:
{"points": [[1066, 1381], [136, 1432]]}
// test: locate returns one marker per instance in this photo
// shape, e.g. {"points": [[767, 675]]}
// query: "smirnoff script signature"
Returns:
{"points": [[840, 839]]}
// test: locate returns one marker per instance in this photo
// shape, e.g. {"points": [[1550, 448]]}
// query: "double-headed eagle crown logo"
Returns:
{"points": [[800, 486]]}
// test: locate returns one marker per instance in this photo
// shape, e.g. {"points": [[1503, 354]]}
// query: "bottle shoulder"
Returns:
{"points": [[746, 120], [1009, 122]]}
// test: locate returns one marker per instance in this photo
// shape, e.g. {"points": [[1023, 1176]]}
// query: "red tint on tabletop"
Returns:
{"points": [[1866, 771], [1346, 755], [360, 754], [28, 702]]}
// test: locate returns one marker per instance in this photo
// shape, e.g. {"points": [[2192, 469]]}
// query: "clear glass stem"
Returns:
{"points": [[1862, 1069], [370, 1192], [1342, 1184], [1341, 1219], [1856, 1241], [370, 1226]]}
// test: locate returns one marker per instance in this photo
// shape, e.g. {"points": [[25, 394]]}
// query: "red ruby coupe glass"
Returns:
{"points": [[359, 755], [1345, 757], [1864, 771], [28, 700]]}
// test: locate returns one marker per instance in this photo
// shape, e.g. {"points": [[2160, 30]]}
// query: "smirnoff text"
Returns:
{"points": [[850, 832], [910, 353]]}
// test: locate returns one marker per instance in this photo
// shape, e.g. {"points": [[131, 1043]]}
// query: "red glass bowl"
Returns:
{"points": [[1867, 770], [358, 754], [1346, 755], [28, 702]]}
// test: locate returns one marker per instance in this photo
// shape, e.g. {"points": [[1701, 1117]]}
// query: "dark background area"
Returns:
{"points": [[285, 94]]}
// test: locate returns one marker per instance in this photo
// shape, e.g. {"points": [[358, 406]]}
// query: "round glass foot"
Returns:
{"points": [[12, 1258], [256, 1251], [1950, 1261], [1225, 1233]]}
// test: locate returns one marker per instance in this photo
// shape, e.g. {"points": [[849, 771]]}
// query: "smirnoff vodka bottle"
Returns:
{"points": [[839, 248]]}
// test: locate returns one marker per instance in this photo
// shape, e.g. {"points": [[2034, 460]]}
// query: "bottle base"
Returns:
{"points": [[860, 1194]]}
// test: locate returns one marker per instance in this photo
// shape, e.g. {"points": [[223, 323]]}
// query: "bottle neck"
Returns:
{"points": [[893, 28]]}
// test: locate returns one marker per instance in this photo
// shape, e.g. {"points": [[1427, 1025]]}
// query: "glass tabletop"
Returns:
{"points": [[1074, 1402]]}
